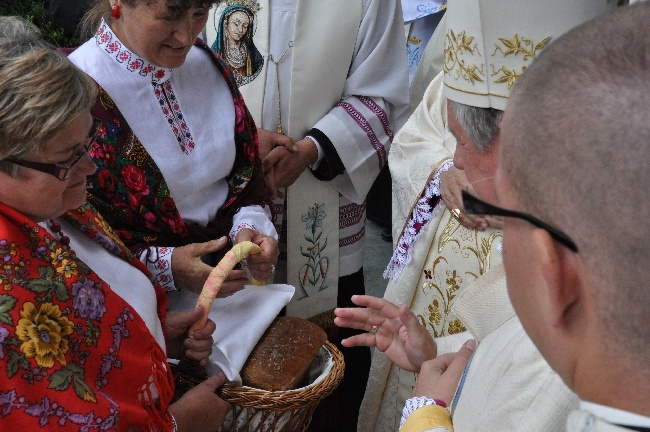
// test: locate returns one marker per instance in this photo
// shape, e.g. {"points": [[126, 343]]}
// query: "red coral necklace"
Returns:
{"points": [[63, 239]]}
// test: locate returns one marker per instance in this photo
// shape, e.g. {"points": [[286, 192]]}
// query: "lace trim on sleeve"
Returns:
{"points": [[423, 211], [418, 402], [235, 230]]}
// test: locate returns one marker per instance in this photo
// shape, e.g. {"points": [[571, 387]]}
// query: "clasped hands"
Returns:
{"points": [[283, 159], [398, 333]]}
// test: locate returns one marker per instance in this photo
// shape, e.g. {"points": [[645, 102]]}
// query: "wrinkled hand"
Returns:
{"points": [[400, 336], [439, 377], [261, 265], [200, 409], [452, 183], [283, 167], [190, 273], [179, 345], [269, 140]]}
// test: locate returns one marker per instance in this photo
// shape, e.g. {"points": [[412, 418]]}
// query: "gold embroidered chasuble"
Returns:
{"points": [[457, 257], [447, 258]]}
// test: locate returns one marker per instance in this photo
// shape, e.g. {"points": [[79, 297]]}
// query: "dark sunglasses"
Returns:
{"points": [[61, 172], [476, 206]]}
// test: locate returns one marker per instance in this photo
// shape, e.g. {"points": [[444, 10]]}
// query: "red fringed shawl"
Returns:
{"points": [[73, 354]]}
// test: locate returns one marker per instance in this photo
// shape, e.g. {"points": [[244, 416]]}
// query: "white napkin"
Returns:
{"points": [[241, 321]]}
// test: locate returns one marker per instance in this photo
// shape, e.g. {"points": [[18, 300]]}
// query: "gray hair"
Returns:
{"points": [[41, 91], [481, 125]]}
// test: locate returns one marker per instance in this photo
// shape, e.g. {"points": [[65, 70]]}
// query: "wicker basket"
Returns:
{"points": [[254, 410]]}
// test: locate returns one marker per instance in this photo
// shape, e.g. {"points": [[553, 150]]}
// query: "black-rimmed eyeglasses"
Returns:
{"points": [[476, 206], [60, 172]]}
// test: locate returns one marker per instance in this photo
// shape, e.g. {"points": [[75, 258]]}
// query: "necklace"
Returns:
{"points": [[236, 55], [277, 77], [63, 239]]}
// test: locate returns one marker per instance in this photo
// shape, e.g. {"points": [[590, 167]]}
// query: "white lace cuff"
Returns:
{"points": [[254, 217], [415, 403], [159, 262]]}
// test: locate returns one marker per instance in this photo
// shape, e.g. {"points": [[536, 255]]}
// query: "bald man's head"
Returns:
{"points": [[576, 149]]}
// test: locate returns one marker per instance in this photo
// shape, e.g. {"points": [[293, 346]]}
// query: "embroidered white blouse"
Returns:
{"points": [[186, 126]]}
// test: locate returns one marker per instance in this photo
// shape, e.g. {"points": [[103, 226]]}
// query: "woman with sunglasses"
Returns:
{"points": [[83, 332]]}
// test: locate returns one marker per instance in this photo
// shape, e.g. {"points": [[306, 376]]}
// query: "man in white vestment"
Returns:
{"points": [[332, 89], [450, 276]]}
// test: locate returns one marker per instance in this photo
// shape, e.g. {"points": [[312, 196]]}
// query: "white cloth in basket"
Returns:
{"points": [[241, 321]]}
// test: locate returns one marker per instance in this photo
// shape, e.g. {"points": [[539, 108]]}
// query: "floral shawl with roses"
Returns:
{"points": [[130, 191], [73, 354]]}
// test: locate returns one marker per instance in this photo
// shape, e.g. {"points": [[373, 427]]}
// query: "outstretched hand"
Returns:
{"points": [[399, 334], [439, 377], [179, 345]]}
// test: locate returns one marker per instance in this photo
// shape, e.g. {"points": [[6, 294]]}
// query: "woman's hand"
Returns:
{"points": [[439, 377], [452, 183], [190, 272], [261, 265], [200, 409], [399, 334], [179, 345]]}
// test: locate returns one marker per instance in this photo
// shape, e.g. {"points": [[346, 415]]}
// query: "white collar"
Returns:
{"points": [[111, 45], [615, 415]]}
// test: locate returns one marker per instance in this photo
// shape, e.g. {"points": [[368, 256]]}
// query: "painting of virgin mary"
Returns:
{"points": [[235, 44]]}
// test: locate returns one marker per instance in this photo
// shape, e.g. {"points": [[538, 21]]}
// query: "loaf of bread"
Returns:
{"points": [[283, 355]]}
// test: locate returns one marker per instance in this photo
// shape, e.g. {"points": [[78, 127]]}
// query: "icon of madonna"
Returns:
{"points": [[235, 44]]}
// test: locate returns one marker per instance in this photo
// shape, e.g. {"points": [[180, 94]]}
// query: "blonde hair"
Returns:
{"points": [[41, 91]]}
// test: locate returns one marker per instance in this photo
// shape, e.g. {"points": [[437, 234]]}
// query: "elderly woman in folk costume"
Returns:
{"points": [[82, 324], [451, 277], [179, 174]]}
